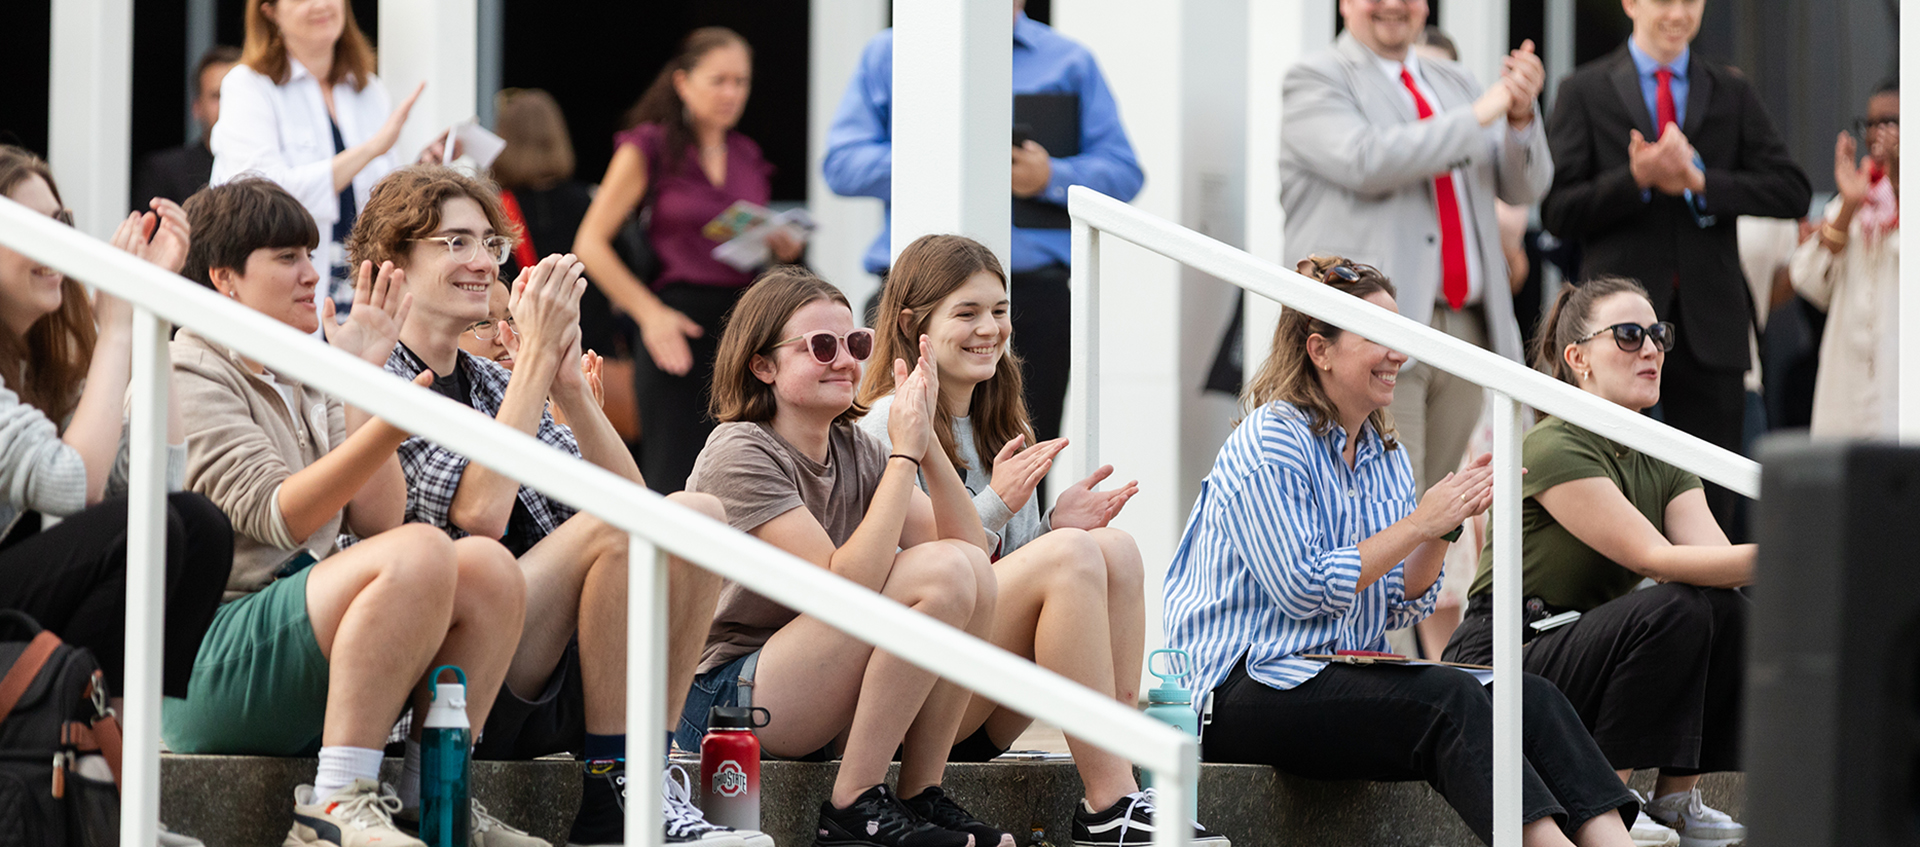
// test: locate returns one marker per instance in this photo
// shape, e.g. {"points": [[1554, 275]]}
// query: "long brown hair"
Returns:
{"points": [[1288, 374], [752, 328], [266, 50], [661, 104], [931, 268], [539, 152], [1566, 321], [48, 364]]}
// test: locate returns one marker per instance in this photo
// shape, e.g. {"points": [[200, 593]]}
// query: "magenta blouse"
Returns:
{"points": [[685, 200]]}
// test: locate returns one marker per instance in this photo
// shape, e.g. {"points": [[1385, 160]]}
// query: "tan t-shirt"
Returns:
{"points": [[758, 476]]}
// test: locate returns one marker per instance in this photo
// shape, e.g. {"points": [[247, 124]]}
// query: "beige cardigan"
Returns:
{"points": [[1856, 392], [242, 444]]}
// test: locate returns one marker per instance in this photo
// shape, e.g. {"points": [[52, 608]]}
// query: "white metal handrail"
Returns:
{"points": [[656, 527], [1511, 384]]}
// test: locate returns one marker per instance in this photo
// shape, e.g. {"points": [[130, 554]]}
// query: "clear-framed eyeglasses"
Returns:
{"points": [[489, 329], [464, 247]]}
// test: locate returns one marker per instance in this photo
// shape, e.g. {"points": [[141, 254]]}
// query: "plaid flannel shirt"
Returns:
{"points": [[433, 472]]}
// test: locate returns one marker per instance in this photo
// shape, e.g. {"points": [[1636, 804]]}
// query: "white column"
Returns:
{"points": [[952, 121], [1278, 35], [1479, 29], [1559, 46], [1909, 273], [89, 113], [436, 42], [836, 33]]}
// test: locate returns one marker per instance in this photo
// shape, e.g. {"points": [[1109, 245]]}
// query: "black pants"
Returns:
{"points": [[1656, 675], [1709, 402], [72, 578], [1042, 335], [1388, 723], [674, 422]]}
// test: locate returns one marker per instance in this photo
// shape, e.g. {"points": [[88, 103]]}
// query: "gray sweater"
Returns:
{"points": [[1006, 530], [39, 472]]}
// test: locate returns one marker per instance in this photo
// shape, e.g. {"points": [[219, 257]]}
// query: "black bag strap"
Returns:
{"points": [[28, 666], [21, 621]]}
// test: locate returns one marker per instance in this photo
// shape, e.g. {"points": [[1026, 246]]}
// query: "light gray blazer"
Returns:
{"points": [[1357, 167]]}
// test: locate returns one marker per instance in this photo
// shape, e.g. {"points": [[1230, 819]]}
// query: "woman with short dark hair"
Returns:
{"points": [[1306, 542]]}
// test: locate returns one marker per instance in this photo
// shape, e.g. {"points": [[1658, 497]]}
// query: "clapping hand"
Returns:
{"points": [[1524, 76], [1017, 472], [1850, 179], [379, 311], [590, 363], [1665, 165], [910, 420], [545, 304], [1458, 496], [1082, 507]]}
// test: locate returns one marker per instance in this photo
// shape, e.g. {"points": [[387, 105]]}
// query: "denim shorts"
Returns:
{"points": [[730, 684]]}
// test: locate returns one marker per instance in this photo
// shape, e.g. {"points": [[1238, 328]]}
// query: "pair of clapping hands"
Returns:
{"points": [[1521, 78], [160, 237], [544, 300], [1016, 471]]}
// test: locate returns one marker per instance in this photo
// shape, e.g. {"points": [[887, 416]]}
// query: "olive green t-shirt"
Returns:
{"points": [[1557, 567]]}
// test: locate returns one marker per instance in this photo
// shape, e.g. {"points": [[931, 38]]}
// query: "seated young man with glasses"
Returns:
{"points": [[494, 339], [566, 687], [1655, 675]]}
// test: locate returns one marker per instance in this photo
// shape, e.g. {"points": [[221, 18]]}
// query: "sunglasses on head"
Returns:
{"points": [[1629, 337], [824, 344], [1346, 272]]}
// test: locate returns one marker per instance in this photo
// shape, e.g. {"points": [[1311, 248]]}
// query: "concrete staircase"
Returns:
{"points": [[238, 801]]}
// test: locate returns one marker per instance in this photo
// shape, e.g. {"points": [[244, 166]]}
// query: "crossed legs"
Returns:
{"points": [[821, 684], [1072, 601]]}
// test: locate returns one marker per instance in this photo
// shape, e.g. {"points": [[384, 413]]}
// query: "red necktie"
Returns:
{"points": [[1663, 101], [1453, 244]]}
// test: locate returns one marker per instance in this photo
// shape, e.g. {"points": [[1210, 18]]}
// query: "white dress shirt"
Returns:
{"points": [[280, 132], [1475, 268]]}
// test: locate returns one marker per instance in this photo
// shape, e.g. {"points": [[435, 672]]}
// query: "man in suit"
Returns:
{"points": [[177, 172], [1394, 160], [1663, 211]]}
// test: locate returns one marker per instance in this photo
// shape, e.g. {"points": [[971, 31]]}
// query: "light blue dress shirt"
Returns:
{"points": [[1269, 564], [859, 160]]}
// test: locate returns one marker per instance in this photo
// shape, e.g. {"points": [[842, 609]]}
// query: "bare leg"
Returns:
{"points": [[1668, 784], [818, 681], [488, 606], [692, 594], [379, 611], [930, 739], [1126, 611], [1545, 832], [1053, 609], [1603, 830]]}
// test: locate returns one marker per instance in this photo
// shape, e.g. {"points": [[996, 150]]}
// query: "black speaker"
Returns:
{"points": [[1833, 680]]}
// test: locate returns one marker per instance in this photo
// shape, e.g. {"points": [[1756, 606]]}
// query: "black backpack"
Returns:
{"points": [[59, 743]]}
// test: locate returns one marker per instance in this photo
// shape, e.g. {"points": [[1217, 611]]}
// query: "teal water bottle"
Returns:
{"points": [[444, 749], [1171, 704]]}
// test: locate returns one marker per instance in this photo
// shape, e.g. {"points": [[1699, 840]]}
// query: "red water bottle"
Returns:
{"points": [[730, 766]]}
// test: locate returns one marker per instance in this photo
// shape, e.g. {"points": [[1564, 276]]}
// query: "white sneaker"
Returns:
{"points": [[686, 824], [1648, 832], [359, 815], [1699, 825], [489, 831]]}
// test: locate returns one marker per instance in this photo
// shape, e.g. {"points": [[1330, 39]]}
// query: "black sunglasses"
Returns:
{"points": [[1349, 272], [1629, 337]]}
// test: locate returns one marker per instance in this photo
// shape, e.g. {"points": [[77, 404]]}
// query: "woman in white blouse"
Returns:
{"points": [[304, 109]]}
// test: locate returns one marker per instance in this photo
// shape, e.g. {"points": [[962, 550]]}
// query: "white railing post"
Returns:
{"points": [[146, 582], [1083, 384], [646, 689], [1507, 729], [1172, 826]]}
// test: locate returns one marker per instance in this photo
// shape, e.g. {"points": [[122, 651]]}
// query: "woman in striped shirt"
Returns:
{"points": [[1305, 541]]}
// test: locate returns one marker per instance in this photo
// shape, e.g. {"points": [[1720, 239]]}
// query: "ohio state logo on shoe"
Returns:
{"points": [[729, 780]]}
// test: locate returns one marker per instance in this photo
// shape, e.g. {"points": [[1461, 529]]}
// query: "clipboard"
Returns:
{"points": [[1052, 120]]}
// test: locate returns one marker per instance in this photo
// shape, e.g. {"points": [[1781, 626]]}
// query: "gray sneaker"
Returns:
{"points": [[1699, 825]]}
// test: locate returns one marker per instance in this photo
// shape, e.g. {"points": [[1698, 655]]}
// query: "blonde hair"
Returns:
{"points": [[1289, 375]]}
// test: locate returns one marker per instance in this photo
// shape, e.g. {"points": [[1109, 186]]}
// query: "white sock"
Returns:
{"points": [[410, 777], [340, 766]]}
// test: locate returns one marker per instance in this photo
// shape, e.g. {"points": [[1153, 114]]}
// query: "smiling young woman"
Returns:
{"points": [[1655, 674]]}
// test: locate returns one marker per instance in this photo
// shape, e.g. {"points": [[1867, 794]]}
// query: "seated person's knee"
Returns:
{"points": [[705, 504]]}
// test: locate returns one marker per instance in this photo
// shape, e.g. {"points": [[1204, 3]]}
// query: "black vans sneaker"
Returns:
{"points": [[1129, 823], [877, 819], [935, 807]]}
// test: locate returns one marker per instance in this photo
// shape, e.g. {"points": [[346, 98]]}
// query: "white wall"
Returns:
{"points": [[90, 114], [432, 41], [838, 32]]}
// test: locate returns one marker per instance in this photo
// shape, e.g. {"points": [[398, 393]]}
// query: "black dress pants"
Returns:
{"points": [[1709, 402], [72, 578], [1042, 335], [1656, 675], [1399, 723], [674, 422]]}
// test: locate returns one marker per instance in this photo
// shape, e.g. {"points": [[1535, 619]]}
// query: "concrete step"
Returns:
{"points": [[241, 801]]}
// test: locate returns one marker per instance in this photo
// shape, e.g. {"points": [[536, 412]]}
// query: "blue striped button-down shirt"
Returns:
{"points": [[1270, 559]]}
